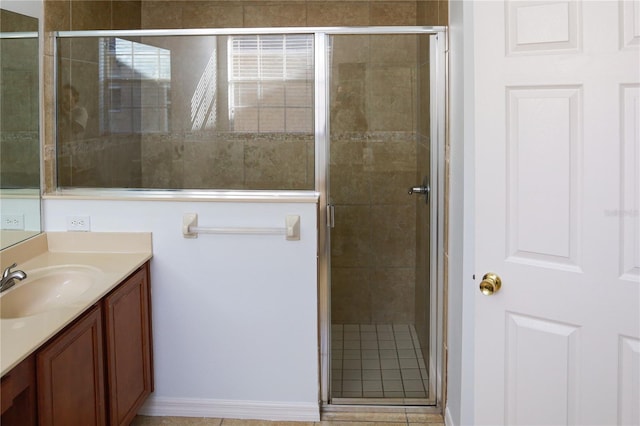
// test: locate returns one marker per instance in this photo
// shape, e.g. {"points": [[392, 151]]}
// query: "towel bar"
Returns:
{"points": [[291, 229]]}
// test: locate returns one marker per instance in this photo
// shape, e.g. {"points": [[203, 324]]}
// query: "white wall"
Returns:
{"points": [[234, 316], [461, 291]]}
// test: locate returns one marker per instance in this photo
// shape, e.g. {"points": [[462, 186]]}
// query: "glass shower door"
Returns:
{"points": [[379, 140]]}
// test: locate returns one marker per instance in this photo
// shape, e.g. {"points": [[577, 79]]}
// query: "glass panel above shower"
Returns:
{"points": [[186, 112]]}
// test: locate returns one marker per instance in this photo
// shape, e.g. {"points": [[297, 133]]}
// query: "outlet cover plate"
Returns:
{"points": [[13, 221], [78, 223]]}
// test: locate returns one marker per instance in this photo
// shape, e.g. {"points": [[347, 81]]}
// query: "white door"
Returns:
{"points": [[557, 130]]}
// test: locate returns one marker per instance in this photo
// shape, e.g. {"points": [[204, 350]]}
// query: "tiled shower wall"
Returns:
{"points": [[134, 14]]}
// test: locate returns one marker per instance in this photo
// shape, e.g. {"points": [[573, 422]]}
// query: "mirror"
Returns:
{"points": [[19, 124]]}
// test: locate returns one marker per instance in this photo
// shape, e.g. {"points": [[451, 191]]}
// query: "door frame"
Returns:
{"points": [[438, 113]]}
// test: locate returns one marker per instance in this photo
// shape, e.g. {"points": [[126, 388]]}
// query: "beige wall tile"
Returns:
{"points": [[350, 296], [49, 123], [348, 114], [432, 12], [271, 163], [389, 103], [394, 241], [423, 152], [392, 187], [350, 185], [395, 155], [311, 163], [84, 49], [393, 13], [214, 163], [162, 14], [350, 49], [57, 15], [392, 294], [443, 12], [424, 99], [394, 49], [427, 12], [351, 237], [126, 14], [274, 14], [423, 46], [90, 15], [337, 13], [216, 14], [157, 168]]}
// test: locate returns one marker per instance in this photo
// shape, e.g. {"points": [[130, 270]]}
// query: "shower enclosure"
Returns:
{"points": [[354, 115], [379, 237]]}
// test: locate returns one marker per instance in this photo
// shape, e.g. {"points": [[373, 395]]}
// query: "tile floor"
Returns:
{"points": [[406, 417], [377, 361]]}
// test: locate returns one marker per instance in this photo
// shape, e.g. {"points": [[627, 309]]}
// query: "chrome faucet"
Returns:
{"points": [[9, 277]]}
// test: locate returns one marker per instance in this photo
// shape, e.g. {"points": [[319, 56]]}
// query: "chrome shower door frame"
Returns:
{"points": [[438, 109]]}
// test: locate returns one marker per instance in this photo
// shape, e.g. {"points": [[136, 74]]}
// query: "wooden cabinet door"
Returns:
{"points": [[18, 395], [70, 375], [128, 347]]}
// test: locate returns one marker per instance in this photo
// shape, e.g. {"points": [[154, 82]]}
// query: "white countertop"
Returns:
{"points": [[116, 255]]}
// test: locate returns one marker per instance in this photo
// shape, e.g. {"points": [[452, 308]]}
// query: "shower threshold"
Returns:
{"points": [[381, 401]]}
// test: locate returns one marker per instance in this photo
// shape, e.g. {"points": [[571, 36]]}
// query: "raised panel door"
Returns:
{"points": [[70, 375], [556, 212], [128, 347]]}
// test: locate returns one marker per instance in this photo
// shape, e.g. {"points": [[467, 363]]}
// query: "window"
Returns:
{"points": [[135, 81], [271, 83]]}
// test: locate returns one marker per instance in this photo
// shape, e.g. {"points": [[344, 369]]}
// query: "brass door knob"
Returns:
{"points": [[490, 284]]}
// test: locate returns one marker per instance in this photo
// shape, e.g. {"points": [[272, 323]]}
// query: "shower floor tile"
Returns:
{"points": [[376, 361]]}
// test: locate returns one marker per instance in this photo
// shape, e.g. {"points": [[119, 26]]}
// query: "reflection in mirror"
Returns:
{"points": [[186, 112], [19, 128]]}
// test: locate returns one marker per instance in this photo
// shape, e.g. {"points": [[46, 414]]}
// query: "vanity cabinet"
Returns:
{"points": [[18, 393], [97, 371]]}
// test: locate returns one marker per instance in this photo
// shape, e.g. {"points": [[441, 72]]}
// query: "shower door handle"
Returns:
{"points": [[331, 216], [419, 190], [423, 189]]}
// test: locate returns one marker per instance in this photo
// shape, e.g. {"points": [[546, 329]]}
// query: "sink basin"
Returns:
{"points": [[46, 289]]}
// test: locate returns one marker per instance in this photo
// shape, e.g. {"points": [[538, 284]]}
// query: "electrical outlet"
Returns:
{"points": [[78, 223], [12, 221]]}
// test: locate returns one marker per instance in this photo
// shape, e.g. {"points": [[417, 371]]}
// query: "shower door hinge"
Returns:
{"points": [[331, 216]]}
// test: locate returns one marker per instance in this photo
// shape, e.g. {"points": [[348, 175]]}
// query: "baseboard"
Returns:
{"points": [[448, 420], [231, 409]]}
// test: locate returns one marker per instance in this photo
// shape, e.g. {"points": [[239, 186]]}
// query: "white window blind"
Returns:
{"points": [[135, 87], [271, 83]]}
